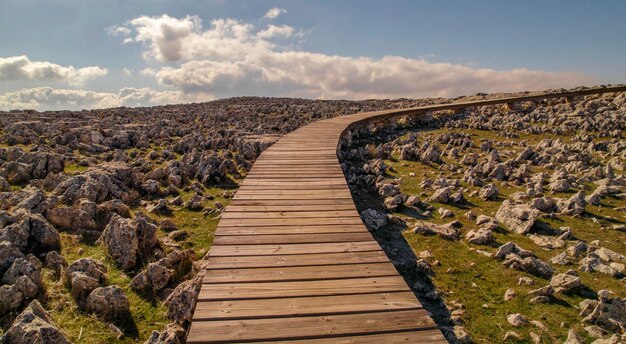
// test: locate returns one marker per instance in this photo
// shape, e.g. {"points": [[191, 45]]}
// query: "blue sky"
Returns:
{"points": [[313, 49]]}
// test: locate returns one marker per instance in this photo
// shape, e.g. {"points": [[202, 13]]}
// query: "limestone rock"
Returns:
{"points": [[374, 220], [518, 218], [110, 303], [181, 302], [34, 326], [516, 319]]}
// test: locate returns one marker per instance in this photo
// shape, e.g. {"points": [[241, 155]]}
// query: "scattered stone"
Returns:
{"points": [[516, 320], [110, 303], [518, 218]]}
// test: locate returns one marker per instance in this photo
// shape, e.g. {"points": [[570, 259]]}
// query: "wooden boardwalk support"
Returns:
{"points": [[292, 261]]}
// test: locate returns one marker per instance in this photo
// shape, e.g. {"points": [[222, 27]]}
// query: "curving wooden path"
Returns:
{"points": [[292, 261]]}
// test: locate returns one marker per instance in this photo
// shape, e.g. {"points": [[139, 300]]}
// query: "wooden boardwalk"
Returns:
{"points": [[292, 261]]}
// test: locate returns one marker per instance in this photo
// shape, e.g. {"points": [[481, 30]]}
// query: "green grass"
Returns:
{"points": [[75, 168], [87, 328], [486, 310]]}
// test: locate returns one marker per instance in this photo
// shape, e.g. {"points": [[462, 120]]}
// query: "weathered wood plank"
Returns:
{"points": [[422, 336], [235, 214], [304, 306], [258, 239], [235, 207], [348, 286], [341, 258], [270, 230], [353, 220], [299, 273], [286, 249], [309, 327]]}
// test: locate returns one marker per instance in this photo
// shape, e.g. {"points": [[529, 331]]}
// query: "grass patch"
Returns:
{"points": [[80, 327], [75, 168], [479, 282]]}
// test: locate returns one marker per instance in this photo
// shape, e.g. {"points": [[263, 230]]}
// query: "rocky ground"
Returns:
{"points": [[508, 221], [105, 215], [515, 214]]}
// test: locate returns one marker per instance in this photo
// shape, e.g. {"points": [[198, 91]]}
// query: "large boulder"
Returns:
{"points": [[83, 276], [489, 192], [518, 218], [55, 262], [531, 265], [610, 314], [447, 231], [8, 253], [110, 303], [181, 302], [74, 218], [34, 326], [373, 219], [10, 299], [172, 334], [441, 195], [130, 241], [153, 279], [31, 233], [24, 267], [108, 180], [565, 282], [479, 236]]}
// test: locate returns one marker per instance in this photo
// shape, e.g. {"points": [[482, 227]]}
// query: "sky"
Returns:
{"points": [[83, 54]]}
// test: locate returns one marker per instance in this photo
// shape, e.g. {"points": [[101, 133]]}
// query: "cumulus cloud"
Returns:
{"points": [[274, 12], [47, 98], [22, 68], [233, 57], [169, 39]]}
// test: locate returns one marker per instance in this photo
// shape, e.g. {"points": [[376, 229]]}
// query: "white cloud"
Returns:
{"points": [[274, 12], [47, 98], [169, 39], [276, 31], [22, 68], [233, 57]]}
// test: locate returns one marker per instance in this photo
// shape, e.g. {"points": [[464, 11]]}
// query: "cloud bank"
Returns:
{"points": [[228, 57], [47, 98], [231, 55], [23, 69]]}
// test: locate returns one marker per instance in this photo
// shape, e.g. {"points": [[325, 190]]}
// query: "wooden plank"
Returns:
{"points": [[408, 337], [277, 202], [309, 327], [292, 197], [341, 258], [292, 188], [301, 273], [327, 193], [305, 306], [339, 180], [282, 183], [291, 238], [287, 249], [354, 220], [269, 230], [235, 214], [288, 208], [265, 290]]}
